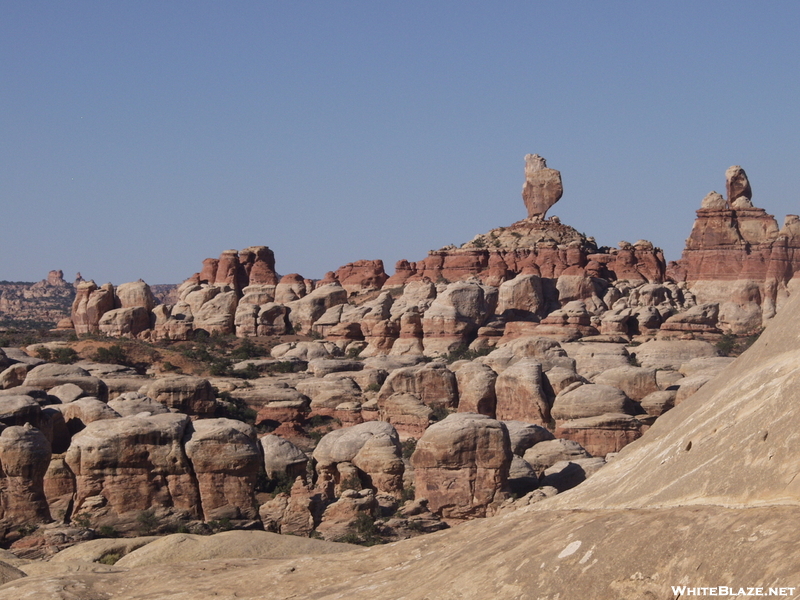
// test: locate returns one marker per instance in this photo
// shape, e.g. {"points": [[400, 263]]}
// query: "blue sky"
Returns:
{"points": [[137, 138]]}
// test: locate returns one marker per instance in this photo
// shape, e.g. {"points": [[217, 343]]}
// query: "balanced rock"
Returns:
{"points": [[542, 187]]}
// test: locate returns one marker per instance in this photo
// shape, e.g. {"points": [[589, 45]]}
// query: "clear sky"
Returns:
{"points": [[137, 138]]}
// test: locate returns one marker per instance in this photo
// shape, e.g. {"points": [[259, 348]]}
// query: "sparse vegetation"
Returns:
{"points": [[109, 559], [147, 522], [232, 407], [408, 447], [733, 345], [439, 413], [107, 532], [408, 493], [114, 355], [82, 521], [463, 352]]}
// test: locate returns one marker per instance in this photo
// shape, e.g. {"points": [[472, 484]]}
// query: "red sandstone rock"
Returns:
{"points": [[542, 187], [89, 306], [602, 434], [461, 465], [24, 457], [362, 276], [225, 459], [259, 266], [520, 396], [127, 465]]}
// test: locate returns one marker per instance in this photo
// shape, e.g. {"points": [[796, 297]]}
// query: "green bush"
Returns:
{"points": [[439, 413], [107, 531], [249, 372], [247, 349], [82, 521], [235, 408], [147, 521], [408, 447], [44, 354], [114, 355], [65, 356], [109, 559], [463, 352], [407, 494]]}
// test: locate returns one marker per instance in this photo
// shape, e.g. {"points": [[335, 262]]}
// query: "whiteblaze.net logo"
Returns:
{"points": [[682, 591]]}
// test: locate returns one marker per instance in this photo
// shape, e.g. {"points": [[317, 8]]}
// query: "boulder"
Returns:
{"points": [[282, 457], [373, 448], [455, 316], [635, 382], [591, 400], [225, 459], [545, 454], [671, 354], [657, 403], [592, 358], [543, 187], [135, 294], [525, 435], [476, 389], [603, 434], [461, 465], [565, 475], [24, 457], [131, 464], [133, 403], [521, 298], [520, 395], [190, 395], [433, 383], [342, 516], [329, 393], [406, 412]]}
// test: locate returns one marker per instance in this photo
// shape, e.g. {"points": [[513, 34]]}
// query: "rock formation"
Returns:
{"points": [[712, 510], [542, 187]]}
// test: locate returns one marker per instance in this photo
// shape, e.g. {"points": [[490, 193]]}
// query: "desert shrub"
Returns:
{"points": [[373, 387], [234, 408], [169, 367], [249, 372], [407, 494], [44, 354], [408, 447], [109, 559], [354, 352], [114, 355], [285, 366], [248, 349], [107, 531], [147, 521], [726, 344], [26, 530], [439, 413], [82, 521], [65, 356], [319, 421], [463, 352], [281, 484], [414, 525], [223, 524]]}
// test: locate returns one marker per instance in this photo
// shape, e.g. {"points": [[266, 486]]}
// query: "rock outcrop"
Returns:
{"points": [[542, 187], [461, 465]]}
